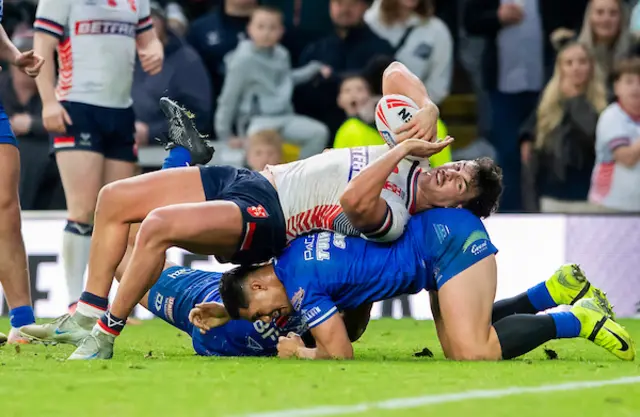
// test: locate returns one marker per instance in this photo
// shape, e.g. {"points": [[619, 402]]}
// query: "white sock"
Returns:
{"points": [[75, 257], [88, 310]]}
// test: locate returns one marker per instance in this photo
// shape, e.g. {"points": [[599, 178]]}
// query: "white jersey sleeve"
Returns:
{"points": [[52, 17], [394, 223], [144, 16]]}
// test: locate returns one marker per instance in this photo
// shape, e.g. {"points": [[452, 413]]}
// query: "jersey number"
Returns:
{"points": [[132, 4]]}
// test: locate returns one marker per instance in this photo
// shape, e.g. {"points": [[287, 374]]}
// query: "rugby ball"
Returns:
{"points": [[392, 111]]}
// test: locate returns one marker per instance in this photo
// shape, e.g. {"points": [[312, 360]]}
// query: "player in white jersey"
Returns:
{"points": [[88, 113]]}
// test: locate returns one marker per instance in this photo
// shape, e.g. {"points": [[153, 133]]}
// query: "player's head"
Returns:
{"points": [[475, 185], [254, 293], [264, 148], [266, 27]]}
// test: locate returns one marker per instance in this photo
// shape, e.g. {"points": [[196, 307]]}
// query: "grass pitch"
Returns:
{"points": [[155, 373]]}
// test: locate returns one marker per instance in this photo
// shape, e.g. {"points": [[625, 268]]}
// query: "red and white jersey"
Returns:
{"points": [[97, 49], [309, 191]]}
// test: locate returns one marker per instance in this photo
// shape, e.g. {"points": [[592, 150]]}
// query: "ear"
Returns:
{"points": [[257, 285]]}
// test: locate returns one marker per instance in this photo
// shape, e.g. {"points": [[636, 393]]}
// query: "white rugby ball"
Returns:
{"points": [[393, 111]]}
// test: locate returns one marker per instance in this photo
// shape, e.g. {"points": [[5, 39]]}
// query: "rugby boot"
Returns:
{"points": [[15, 338], [597, 327], [97, 345], [65, 329], [3, 339], [569, 284], [183, 132]]}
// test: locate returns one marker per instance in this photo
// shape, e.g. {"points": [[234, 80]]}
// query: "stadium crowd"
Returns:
{"points": [[557, 87]]}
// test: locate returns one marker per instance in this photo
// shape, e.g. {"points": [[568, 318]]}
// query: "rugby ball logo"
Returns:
{"points": [[392, 111]]}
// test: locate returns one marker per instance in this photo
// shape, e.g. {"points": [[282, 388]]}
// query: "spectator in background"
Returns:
{"points": [[351, 47], [615, 183], [264, 148], [258, 89], [183, 78], [422, 41], [216, 34], [40, 185], [606, 31], [562, 131]]}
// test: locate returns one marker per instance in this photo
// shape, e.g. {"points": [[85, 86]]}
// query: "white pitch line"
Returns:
{"points": [[412, 402]]}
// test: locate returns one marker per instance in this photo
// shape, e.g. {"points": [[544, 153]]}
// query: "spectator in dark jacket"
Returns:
{"points": [[351, 48], [40, 186], [183, 78]]}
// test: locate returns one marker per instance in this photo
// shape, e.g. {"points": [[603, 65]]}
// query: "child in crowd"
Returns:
{"points": [[264, 148]]}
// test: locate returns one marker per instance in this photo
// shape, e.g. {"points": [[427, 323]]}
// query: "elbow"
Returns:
{"points": [[355, 208], [394, 70]]}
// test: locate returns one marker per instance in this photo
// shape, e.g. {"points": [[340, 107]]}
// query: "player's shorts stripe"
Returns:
{"points": [[619, 142], [384, 228], [248, 236], [64, 142], [323, 317], [49, 26]]}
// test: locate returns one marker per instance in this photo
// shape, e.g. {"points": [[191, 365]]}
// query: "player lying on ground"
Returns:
{"points": [[445, 251], [240, 216]]}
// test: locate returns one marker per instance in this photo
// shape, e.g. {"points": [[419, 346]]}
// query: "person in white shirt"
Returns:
{"points": [[422, 41], [88, 113], [615, 183]]}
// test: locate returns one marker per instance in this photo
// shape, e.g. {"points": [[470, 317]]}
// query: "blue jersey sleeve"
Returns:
{"points": [[458, 239], [311, 303]]}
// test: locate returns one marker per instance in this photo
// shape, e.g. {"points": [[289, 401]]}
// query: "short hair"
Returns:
{"points": [[626, 66], [231, 289], [488, 183], [266, 137], [270, 10]]}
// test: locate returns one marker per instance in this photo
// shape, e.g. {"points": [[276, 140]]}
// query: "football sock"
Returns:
{"points": [[178, 157], [521, 333], [540, 297], [520, 304], [567, 325], [91, 305], [111, 324], [76, 242], [21, 316]]}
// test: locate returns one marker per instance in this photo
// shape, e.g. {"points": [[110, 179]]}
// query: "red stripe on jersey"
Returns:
{"points": [[65, 70], [318, 218], [601, 181], [413, 187], [248, 236]]}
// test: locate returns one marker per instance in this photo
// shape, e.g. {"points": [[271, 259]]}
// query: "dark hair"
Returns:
{"points": [[626, 66], [348, 76], [488, 182], [232, 291]]}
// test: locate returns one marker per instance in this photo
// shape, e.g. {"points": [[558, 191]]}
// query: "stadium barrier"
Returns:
{"points": [[531, 248]]}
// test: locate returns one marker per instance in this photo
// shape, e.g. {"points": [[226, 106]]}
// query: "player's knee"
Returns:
{"points": [[153, 230], [109, 199], [9, 212], [470, 352]]}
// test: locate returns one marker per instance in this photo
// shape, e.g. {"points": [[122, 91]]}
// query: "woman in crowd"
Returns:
{"points": [[606, 31], [421, 40], [558, 140]]}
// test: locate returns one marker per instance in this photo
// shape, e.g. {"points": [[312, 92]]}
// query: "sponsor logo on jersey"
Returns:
{"points": [[168, 308], [308, 315], [158, 302], [296, 300], [359, 160], [258, 212], [477, 242], [442, 231], [85, 139], [105, 27], [180, 272]]}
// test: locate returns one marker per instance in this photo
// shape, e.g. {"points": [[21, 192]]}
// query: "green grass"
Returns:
{"points": [[155, 373]]}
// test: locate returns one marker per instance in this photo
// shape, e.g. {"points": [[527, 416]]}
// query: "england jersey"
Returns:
{"points": [[97, 49], [309, 191], [324, 273]]}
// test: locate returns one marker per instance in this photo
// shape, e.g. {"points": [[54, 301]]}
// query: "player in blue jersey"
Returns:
{"points": [[14, 275], [445, 251]]}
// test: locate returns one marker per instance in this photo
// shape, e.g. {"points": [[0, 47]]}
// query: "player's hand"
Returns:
{"points": [[151, 58], [206, 316], [29, 63], [423, 125], [288, 346], [55, 118], [423, 149], [21, 123]]}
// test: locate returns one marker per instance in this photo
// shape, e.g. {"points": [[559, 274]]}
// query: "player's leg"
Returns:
{"points": [[565, 287], [14, 275], [215, 226], [439, 323]]}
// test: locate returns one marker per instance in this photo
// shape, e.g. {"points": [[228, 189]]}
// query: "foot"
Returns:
{"points": [[97, 345], [65, 329], [15, 338], [183, 132], [597, 327], [569, 284], [3, 339]]}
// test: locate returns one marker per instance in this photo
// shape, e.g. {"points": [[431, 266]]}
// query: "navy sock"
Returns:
{"points": [[521, 333], [111, 324], [540, 297], [78, 228], [178, 157], [94, 300], [567, 325], [21, 316], [520, 304]]}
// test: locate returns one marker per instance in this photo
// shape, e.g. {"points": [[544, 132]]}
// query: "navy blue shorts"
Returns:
{"points": [[6, 134], [104, 130], [263, 226]]}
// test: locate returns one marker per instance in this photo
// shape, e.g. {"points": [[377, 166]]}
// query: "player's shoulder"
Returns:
{"points": [[447, 224]]}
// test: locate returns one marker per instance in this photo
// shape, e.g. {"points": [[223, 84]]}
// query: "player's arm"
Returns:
{"points": [[332, 342], [45, 45], [8, 51], [625, 152], [150, 49]]}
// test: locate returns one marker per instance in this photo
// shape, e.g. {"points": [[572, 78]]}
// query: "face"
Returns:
{"points": [[353, 95], [260, 155], [267, 301], [265, 29], [575, 65], [627, 89], [347, 13], [605, 20], [449, 185]]}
